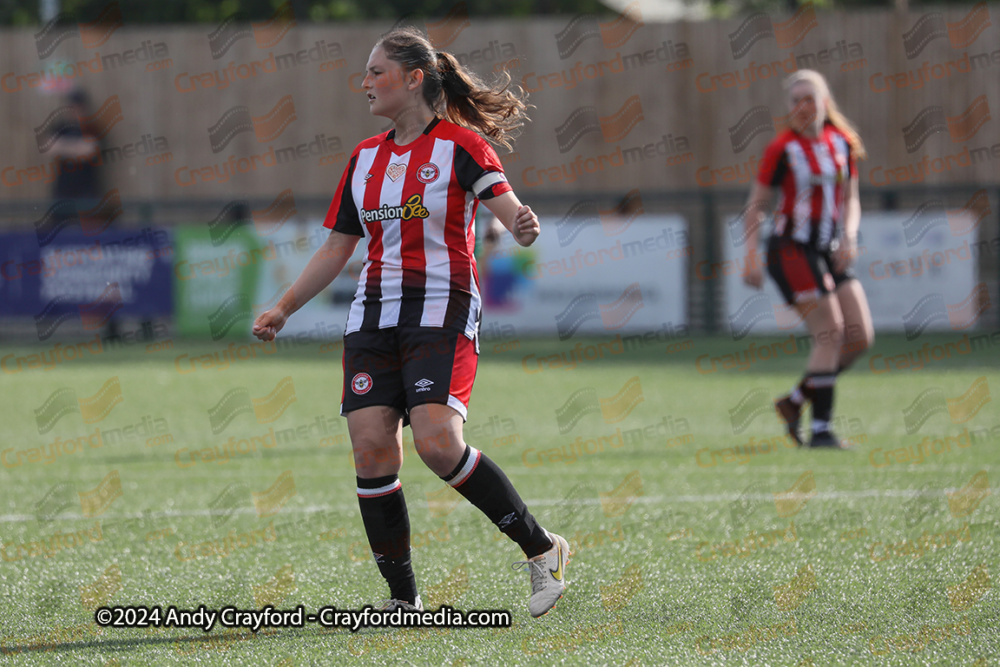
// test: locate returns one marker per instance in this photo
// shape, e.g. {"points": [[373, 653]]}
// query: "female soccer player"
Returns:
{"points": [[411, 340], [813, 244]]}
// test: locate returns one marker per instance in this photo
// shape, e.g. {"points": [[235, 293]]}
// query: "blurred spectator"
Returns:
{"points": [[498, 273], [78, 185]]}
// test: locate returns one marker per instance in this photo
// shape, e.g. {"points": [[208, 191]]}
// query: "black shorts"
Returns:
{"points": [[403, 367], [802, 272]]}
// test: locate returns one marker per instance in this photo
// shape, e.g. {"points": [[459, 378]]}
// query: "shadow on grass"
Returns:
{"points": [[8, 648]]}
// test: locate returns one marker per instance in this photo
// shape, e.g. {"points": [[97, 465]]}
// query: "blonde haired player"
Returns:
{"points": [[812, 166]]}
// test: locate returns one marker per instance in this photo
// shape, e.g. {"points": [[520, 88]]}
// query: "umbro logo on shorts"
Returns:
{"points": [[423, 384]]}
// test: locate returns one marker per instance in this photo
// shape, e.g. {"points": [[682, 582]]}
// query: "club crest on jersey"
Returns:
{"points": [[361, 383], [395, 170], [413, 208], [428, 172]]}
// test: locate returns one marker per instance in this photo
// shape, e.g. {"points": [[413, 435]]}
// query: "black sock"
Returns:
{"points": [[821, 385], [807, 391], [383, 510], [486, 486]]}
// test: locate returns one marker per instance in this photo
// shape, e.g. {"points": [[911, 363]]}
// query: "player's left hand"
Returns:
{"points": [[526, 227]]}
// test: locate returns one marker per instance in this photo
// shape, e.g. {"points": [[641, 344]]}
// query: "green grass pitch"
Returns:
{"points": [[699, 536]]}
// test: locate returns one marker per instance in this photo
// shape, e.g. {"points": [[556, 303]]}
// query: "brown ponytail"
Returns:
{"points": [[496, 111]]}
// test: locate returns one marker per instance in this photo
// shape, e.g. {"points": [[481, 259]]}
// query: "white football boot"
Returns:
{"points": [[548, 576]]}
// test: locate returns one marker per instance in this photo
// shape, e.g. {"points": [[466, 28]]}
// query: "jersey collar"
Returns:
{"points": [[427, 130]]}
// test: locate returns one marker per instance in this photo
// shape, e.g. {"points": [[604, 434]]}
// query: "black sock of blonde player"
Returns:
{"points": [[821, 385]]}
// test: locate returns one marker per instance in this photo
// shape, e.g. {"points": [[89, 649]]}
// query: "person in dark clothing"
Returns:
{"points": [[77, 149]]}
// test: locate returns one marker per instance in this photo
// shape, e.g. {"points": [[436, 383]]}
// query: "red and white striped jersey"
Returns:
{"points": [[415, 206], [812, 176]]}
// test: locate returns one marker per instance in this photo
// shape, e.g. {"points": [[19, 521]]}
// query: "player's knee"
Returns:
{"points": [[831, 336], [437, 450], [376, 460]]}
